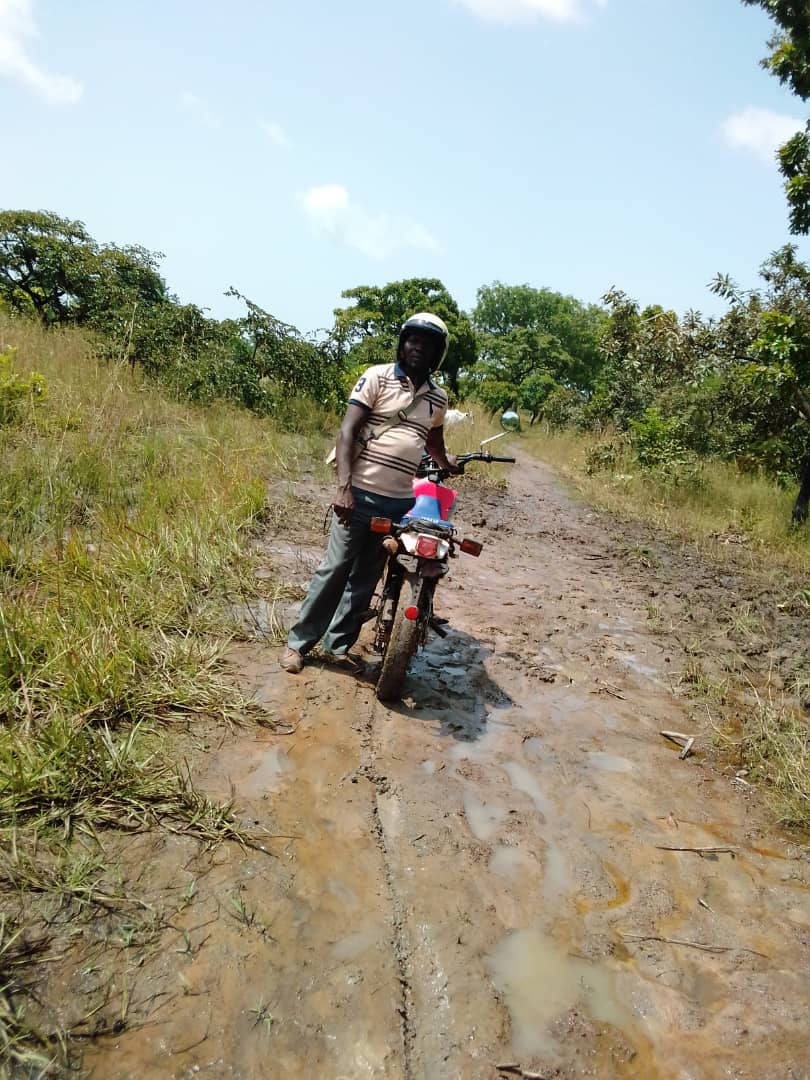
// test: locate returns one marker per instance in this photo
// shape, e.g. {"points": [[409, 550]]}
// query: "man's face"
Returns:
{"points": [[421, 352]]}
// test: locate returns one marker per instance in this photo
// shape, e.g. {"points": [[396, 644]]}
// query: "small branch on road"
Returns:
{"points": [[693, 944], [686, 742], [608, 688], [687, 749], [701, 851], [675, 736]]}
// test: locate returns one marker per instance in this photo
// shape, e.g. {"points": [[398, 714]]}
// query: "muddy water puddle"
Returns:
{"points": [[524, 780], [557, 880], [541, 981], [633, 663], [510, 864], [600, 759], [483, 818], [253, 772]]}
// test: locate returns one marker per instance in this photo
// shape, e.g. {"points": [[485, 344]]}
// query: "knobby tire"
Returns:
{"points": [[402, 645]]}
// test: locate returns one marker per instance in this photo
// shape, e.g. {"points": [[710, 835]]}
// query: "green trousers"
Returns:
{"points": [[341, 590]]}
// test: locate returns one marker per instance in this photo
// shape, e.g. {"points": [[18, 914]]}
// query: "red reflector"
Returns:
{"points": [[427, 546], [412, 613], [380, 525], [471, 547]]}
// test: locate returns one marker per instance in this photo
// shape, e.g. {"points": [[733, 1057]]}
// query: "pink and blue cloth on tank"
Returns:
{"points": [[434, 502]]}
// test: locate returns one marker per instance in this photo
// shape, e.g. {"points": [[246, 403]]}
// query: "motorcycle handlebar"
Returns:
{"points": [[429, 468], [482, 455]]}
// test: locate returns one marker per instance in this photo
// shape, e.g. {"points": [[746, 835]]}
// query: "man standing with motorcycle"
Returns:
{"points": [[395, 414]]}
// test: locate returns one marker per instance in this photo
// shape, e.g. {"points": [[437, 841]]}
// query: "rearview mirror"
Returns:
{"points": [[510, 420]]}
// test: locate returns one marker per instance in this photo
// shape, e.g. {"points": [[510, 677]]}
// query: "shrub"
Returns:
{"points": [[603, 457], [17, 391], [656, 440], [563, 407]]}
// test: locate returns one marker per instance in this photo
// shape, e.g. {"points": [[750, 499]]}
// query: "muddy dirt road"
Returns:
{"points": [[495, 873]]}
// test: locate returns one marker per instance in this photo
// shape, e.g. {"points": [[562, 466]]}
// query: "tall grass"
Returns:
{"points": [[125, 521], [710, 503]]}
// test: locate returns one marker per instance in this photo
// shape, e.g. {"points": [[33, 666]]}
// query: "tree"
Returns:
{"points": [[789, 61], [366, 332], [653, 359], [534, 391], [771, 334], [277, 358], [566, 333], [496, 395], [736, 388], [51, 267]]}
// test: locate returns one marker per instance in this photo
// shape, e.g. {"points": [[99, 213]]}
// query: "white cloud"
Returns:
{"points": [[524, 11], [197, 109], [760, 131], [275, 132], [17, 24], [377, 234]]}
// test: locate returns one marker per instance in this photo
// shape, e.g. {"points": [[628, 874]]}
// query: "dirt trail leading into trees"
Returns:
{"points": [[486, 875]]}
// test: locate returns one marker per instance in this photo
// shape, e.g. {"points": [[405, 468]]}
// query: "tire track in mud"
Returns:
{"points": [[400, 941]]}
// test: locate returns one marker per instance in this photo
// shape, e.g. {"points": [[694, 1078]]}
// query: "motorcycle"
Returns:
{"points": [[419, 548]]}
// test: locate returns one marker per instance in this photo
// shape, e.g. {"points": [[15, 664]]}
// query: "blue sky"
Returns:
{"points": [[295, 148]]}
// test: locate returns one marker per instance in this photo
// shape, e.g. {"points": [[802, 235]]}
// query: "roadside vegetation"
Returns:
{"points": [[125, 528], [713, 505]]}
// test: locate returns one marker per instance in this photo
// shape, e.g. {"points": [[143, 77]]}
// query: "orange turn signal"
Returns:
{"points": [[380, 525], [471, 547]]}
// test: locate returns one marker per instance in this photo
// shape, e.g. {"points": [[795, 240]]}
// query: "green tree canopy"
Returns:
{"points": [[554, 333], [52, 267], [736, 388], [366, 331], [789, 61], [769, 334]]}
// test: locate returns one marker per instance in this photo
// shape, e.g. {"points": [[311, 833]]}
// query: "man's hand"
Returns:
{"points": [[343, 504], [434, 444]]}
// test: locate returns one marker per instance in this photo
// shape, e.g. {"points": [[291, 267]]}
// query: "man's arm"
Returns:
{"points": [[434, 444], [343, 503]]}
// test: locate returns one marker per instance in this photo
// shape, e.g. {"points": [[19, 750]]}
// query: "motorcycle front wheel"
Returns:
{"points": [[404, 640]]}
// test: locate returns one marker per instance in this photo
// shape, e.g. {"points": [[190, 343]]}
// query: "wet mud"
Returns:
{"points": [[493, 877]]}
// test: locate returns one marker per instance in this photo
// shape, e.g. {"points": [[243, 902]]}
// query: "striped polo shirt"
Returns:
{"points": [[386, 465]]}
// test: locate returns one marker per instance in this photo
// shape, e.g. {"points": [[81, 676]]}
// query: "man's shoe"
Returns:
{"points": [[292, 661]]}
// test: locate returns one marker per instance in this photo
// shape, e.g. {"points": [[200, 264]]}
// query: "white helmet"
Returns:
{"points": [[426, 323]]}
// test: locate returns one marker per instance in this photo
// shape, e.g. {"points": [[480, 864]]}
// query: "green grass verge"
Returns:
{"points": [[125, 527], [711, 504]]}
